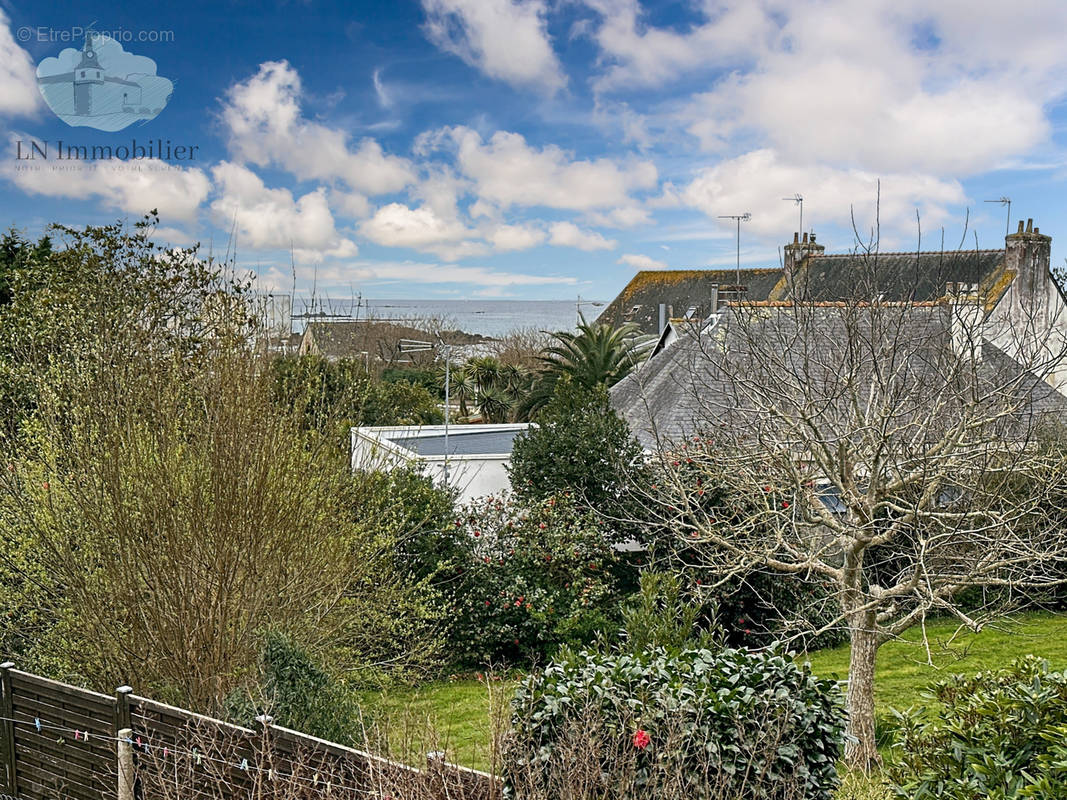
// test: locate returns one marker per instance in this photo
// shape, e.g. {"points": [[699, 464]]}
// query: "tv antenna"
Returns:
{"points": [[738, 218], [796, 198], [1004, 201]]}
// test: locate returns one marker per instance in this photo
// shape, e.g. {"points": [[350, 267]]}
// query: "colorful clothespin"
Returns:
{"points": [[316, 779], [85, 736], [196, 756], [166, 752], [138, 741], [37, 723], [244, 764], [77, 735], [270, 774]]}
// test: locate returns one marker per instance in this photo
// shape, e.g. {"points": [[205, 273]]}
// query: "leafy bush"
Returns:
{"points": [[751, 609], [1000, 734], [298, 693], [661, 614], [532, 580], [700, 724], [582, 447]]}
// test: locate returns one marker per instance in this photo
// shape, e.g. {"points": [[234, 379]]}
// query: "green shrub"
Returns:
{"points": [[533, 579], [699, 724], [298, 692], [583, 448], [1000, 734]]}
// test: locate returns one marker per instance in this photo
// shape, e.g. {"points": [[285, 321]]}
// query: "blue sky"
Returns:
{"points": [[538, 149]]}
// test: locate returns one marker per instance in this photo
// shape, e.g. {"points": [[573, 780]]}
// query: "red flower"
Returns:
{"points": [[477, 533], [785, 504], [542, 526], [45, 484], [642, 739], [487, 602]]}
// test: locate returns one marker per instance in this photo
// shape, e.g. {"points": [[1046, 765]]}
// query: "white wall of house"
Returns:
{"points": [[472, 475]]}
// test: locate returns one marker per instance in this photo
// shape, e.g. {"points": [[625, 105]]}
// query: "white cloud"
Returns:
{"points": [[265, 126], [755, 181], [567, 234], [950, 88], [422, 228], [639, 261], [18, 76], [515, 237], [623, 217], [640, 55], [273, 218], [505, 39], [450, 273], [413, 272], [176, 192], [508, 172], [170, 236]]}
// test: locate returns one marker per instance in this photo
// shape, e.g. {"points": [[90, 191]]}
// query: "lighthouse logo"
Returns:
{"points": [[102, 86]]}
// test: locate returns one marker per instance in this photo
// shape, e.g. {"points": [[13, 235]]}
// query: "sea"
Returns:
{"points": [[488, 317]]}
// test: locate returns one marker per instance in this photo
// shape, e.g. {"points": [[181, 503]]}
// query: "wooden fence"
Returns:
{"points": [[59, 741]]}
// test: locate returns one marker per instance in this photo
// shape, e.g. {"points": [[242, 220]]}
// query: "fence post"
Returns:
{"points": [[124, 757], [122, 708], [7, 747]]}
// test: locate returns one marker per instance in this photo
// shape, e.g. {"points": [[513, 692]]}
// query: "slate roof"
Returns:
{"points": [[895, 276], [682, 289], [378, 338], [690, 384]]}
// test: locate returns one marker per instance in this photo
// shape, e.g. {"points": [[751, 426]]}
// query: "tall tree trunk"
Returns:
{"points": [[860, 750]]}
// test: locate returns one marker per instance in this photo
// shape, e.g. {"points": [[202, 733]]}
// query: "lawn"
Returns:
{"points": [[459, 710]]}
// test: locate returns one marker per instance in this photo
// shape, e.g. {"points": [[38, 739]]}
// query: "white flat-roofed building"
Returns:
{"points": [[474, 460]]}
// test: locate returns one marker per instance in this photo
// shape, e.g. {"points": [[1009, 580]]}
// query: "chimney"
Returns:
{"points": [[798, 250], [662, 317], [1027, 253], [714, 301]]}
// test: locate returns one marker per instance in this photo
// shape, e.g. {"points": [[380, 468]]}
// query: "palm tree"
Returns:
{"points": [[595, 354], [494, 403], [463, 389]]}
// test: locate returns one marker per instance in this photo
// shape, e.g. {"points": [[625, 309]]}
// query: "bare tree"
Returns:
{"points": [[898, 450]]}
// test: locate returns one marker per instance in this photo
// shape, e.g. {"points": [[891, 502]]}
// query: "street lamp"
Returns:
{"points": [[419, 346], [739, 218], [578, 308]]}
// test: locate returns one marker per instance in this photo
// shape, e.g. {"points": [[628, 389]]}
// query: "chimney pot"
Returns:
{"points": [[1020, 226], [805, 238], [813, 237], [796, 238], [1030, 225], [1037, 230]]}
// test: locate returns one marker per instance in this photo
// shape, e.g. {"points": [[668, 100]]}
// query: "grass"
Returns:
{"points": [[903, 669], [459, 710]]}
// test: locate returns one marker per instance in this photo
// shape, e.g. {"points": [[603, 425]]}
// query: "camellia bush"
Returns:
{"points": [[698, 724], [532, 579], [1000, 734]]}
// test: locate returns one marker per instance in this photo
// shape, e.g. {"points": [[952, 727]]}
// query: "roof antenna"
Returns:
{"points": [[739, 218], [1004, 201], [796, 198]]}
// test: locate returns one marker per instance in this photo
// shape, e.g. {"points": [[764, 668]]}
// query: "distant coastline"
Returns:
{"points": [[486, 318]]}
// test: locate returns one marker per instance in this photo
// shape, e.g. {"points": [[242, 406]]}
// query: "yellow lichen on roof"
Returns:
{"points": [[1005, 277], [669, 277]]}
